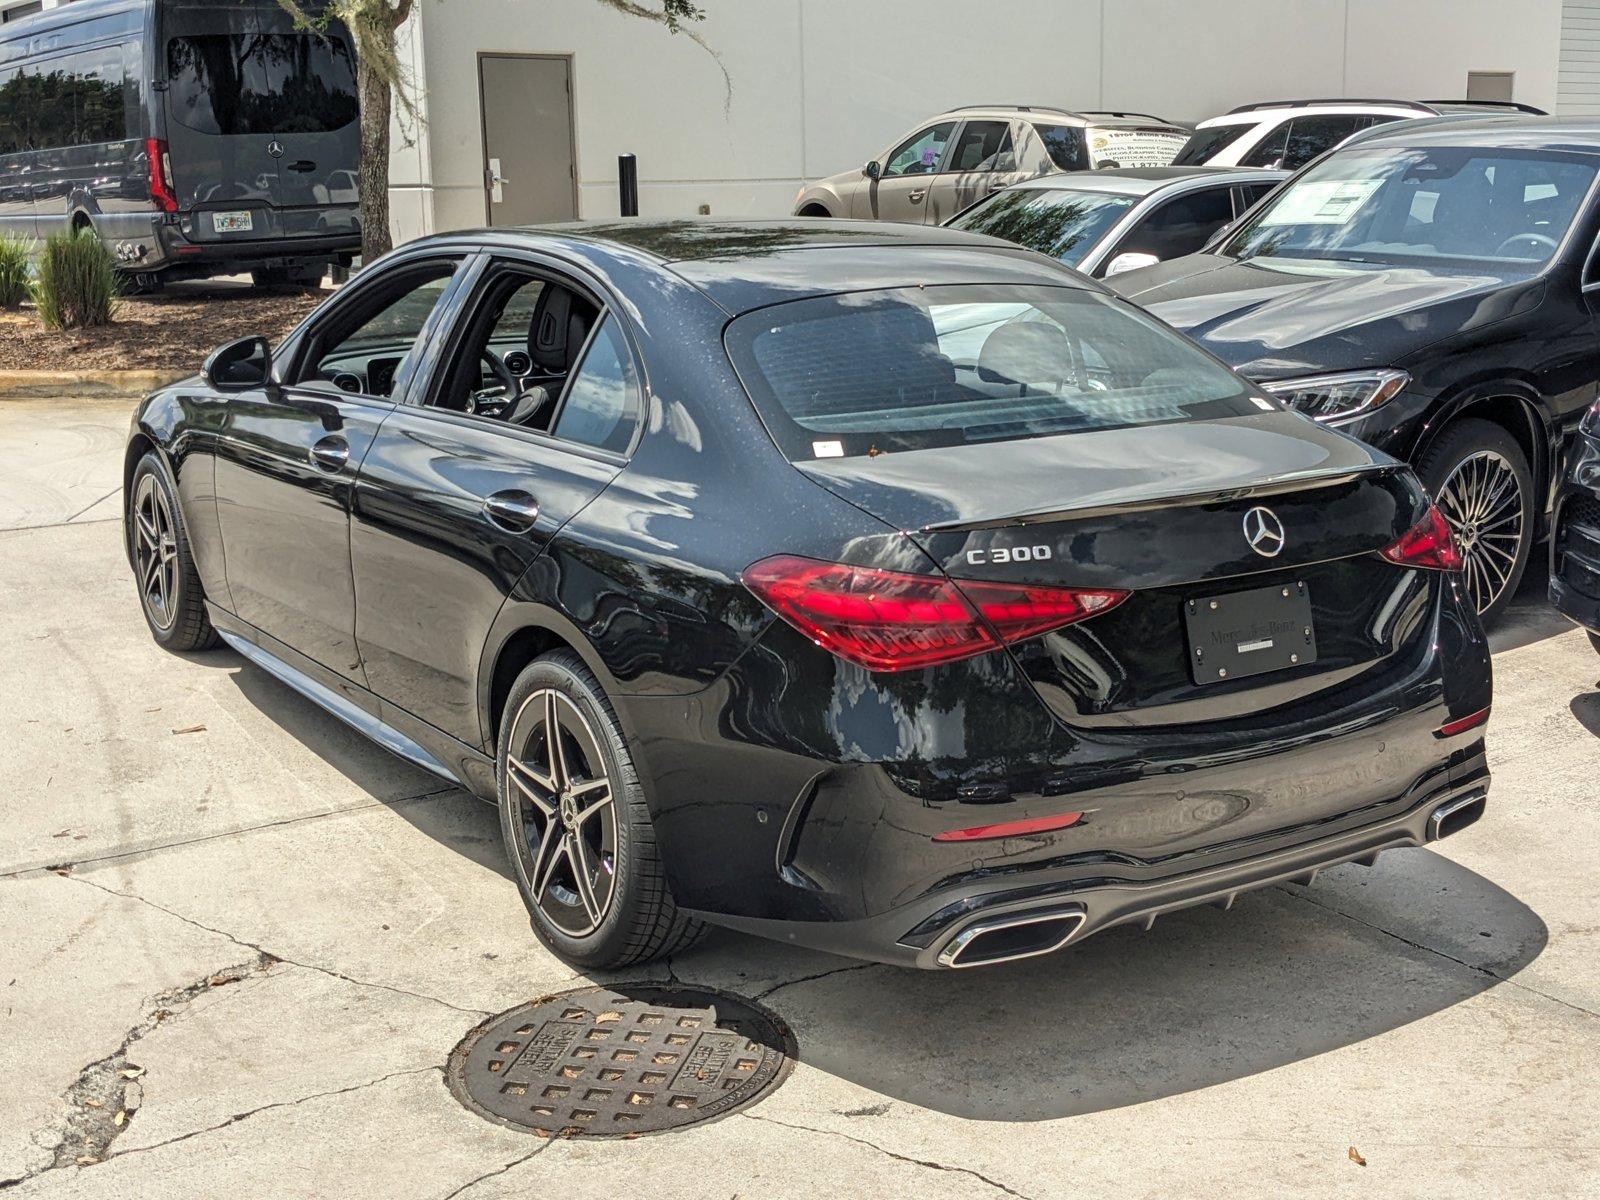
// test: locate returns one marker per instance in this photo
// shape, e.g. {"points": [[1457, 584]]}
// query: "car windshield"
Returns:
{"points": [[1404, 206], [911, 368], [1055, 221]]}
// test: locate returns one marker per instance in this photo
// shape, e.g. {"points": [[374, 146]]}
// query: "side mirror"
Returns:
{"points": [[872, 170], [240, 366], [1130, 261]]}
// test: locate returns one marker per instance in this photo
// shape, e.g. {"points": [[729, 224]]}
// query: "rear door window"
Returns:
{"points": [[1311, 136], [981, 146], [601, 408], [1180, 226], [905, 369], [1270, 150], [261, 83]]}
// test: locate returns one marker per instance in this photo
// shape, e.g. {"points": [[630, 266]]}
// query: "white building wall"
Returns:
{"points": [[818, 86]]}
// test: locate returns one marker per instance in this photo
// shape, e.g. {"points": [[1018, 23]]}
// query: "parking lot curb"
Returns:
{"points": [[95, 385]]}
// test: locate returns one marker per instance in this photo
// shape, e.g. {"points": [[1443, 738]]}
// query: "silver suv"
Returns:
{"points": [[961, 156]]}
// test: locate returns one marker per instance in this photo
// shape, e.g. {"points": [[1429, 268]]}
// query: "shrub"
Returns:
{"points": [[15, 271], [77, 283]]}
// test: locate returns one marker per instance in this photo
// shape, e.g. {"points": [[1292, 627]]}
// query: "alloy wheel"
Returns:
{"points": [[155, 551], [1482, 499], [566, 817]]}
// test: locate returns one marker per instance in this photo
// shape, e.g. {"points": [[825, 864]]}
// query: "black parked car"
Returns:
{"points": [[1430, 288], [1575, 547], [885, 589]]}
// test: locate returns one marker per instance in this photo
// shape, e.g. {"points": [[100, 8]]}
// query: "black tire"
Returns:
{"points": [[640, 921], [1469, 445], [172, 600]]}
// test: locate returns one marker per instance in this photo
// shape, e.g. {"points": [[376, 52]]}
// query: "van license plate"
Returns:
{"points": [[1250, 633], [232, 222]]}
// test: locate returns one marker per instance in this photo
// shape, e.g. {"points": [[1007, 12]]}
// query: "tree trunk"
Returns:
{"points": [[377, 104]]}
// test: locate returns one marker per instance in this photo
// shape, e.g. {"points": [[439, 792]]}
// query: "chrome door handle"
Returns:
{"points": [[331, 453], [916, 197], [513, 511]]}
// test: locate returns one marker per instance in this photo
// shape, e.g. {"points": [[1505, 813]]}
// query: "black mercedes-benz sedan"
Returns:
{"points": [[1431, 288], [889, 590]]}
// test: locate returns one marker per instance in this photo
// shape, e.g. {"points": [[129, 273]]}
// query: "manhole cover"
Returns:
{"points": [[619, 1062]]}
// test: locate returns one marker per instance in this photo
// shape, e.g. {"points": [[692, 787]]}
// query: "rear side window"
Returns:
{"points": [[261, 83], [911, 368], [1311, 136], [1205, 144], [77, 99], [602, 403], [1066, 145], [1181, 226]]}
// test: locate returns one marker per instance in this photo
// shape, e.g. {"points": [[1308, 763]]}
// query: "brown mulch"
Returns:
{"points": [[165, 332]]}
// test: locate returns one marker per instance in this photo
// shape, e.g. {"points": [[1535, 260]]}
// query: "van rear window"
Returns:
{"points": [[913, 368], [261, 83]]}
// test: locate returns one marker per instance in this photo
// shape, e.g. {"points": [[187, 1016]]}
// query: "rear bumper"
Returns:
{"points": [[183, 246], [1073, 902]]}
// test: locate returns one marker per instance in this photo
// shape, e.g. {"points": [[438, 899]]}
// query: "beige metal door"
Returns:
{"points": [[529, 168]]}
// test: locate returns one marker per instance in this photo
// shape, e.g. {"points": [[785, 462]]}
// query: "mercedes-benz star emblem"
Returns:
{"points": [[275, 148], [1264, 532]]}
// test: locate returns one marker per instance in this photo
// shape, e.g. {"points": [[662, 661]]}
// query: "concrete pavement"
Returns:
{"points": [[262, 936]]}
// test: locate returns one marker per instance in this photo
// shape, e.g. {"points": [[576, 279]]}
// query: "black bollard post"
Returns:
{"points": [[628, 184]]}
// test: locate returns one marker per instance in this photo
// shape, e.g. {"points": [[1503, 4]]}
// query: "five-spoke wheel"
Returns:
{"points": [[567, 822], [576, 825]]}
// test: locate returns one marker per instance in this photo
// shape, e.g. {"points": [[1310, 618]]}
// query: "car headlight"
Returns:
{"points": [[1339, 397]]}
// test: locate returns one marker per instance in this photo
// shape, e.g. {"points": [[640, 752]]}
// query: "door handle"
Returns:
{"points": [[305, 166], [916, 197], [331, 454], [513, 511]]}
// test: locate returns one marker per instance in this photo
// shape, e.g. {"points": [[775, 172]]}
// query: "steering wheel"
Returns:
{"points": [[491, 400], [1537, 239]]}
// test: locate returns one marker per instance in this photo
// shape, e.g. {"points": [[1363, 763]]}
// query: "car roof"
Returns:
{"points": [[1255, 114], [748, 264], [1519, 132], [1142, 181]]}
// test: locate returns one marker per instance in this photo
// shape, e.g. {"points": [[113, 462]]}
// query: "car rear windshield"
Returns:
{"points": [[1417, 205], [261, 83], [1056, 221], [1205, 144], [902, 369]]}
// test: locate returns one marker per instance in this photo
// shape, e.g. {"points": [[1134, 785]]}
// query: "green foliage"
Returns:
{"points": [[77, 284], [15, 282]]}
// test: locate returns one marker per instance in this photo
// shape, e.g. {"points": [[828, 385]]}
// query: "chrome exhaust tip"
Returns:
{"points": [[1012, 936], [1455, 815]]}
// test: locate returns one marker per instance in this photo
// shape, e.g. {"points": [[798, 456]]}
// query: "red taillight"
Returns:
{"points": [[983, 833], [155, 151], [1429, 543], [893, 621], [1462, 724]]}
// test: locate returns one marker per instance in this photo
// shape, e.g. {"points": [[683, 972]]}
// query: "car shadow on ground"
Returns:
{"points": [[1529, 617], [1203, 998]]}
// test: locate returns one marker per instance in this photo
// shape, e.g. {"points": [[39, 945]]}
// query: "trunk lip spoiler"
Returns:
{"points": [[1272, 486]]}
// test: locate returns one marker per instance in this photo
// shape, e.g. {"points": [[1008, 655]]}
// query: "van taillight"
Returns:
{"points": [[894, 621], [1429, 543], [160, 175]]}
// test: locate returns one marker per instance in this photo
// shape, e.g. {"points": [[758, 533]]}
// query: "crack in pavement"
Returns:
{"points": [[514, 1163], [249, 945], [1473, 967], [139, 852], [246, 1115], [103, 1100], [905, 1158], [778, 987]]}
